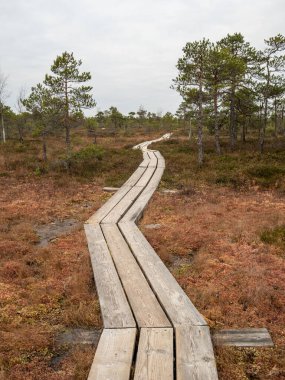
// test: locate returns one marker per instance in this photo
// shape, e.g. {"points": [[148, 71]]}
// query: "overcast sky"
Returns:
{"points": [[130, 47]]}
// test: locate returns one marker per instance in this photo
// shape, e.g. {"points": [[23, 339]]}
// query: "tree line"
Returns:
{"points": [[227, 87], [58, 103], [231, 84]]}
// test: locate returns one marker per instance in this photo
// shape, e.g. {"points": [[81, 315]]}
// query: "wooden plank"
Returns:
{"points": [[145, 155], [110, 189], [142, 145], [155, 179], [135, 213], [119, 210], [160, 159], [155, 355], [175, 302], [145, 162], [108, 206], [153, 159], [135, 177], [114, 354], [145, 306], [136, 210], [243, 338], [115, 309], [145, 178], [194, 354]]}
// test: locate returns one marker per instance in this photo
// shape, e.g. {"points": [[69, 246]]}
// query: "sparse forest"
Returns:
{"points": [[216, 221]]}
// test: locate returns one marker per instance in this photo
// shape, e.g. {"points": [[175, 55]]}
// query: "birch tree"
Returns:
{"points": [[3, 97]]}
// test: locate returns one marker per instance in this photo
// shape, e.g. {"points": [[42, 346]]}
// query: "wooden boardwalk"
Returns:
{"points": [[152, 331]]}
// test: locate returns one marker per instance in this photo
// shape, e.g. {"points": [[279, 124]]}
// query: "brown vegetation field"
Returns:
{"points": [[45, 274], [222, 235], [224, 241]]}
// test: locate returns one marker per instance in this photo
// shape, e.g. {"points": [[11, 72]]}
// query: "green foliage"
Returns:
{"points": [[65, 84], [238, 170], [91, 152], [267, 172], [275, 236]]}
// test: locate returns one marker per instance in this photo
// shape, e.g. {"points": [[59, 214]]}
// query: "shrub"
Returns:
{"points": [[275, 236], [265, 171], [83, 162], [91, 152]]}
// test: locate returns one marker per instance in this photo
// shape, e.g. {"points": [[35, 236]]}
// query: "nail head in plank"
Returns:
{"points": [[155, 355], [194, 354], [113, 357], [243, 338], [115, 309]]}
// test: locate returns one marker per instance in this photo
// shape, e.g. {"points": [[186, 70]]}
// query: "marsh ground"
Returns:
{"points": [[222, 236]]}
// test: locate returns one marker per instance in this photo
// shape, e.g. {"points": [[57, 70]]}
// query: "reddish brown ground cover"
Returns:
{"points": [[44, 289], [210, 240]]}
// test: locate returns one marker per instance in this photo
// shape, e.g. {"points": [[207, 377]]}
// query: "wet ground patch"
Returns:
{"points": [[49, 232]]}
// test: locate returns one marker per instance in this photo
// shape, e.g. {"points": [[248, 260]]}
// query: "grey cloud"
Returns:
{"points": [[130, 47]]}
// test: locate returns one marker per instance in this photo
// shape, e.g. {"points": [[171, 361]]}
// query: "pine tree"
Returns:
{"points": [[66, 85], [272, 62], [191, 82]]}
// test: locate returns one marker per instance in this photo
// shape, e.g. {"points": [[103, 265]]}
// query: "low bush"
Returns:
{"points": [[275, 236]]}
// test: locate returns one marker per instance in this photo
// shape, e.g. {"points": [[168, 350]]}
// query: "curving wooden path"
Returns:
{"points": [[152, 331]]}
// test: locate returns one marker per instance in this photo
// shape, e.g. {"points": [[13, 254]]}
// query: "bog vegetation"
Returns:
{"points": [[228, 88], [54, 161]]}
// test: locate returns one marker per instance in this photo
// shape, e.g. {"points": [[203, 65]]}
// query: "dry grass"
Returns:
{"points": [[45, 290], [211, 242], [210, 238]]}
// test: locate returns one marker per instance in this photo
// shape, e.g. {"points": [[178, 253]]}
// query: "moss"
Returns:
{"points": [[274, 236], [240, 169]]}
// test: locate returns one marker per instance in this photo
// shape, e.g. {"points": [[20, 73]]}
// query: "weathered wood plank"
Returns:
{"points": [[108, 206], [153, 159], [125, 203], [175, 302], [115, 309], [135, 177], [155, 179], [194, 354], [155, 355], [243, 338], [145, 163], [136, 210], [110, 189], [160, 159], [145, 306], [142, 146], [118, 211], [113, 358], [145, 178], [146, 160]]}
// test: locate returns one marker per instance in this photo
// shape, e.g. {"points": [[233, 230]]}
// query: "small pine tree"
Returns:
{"points": [[66, 85]]}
